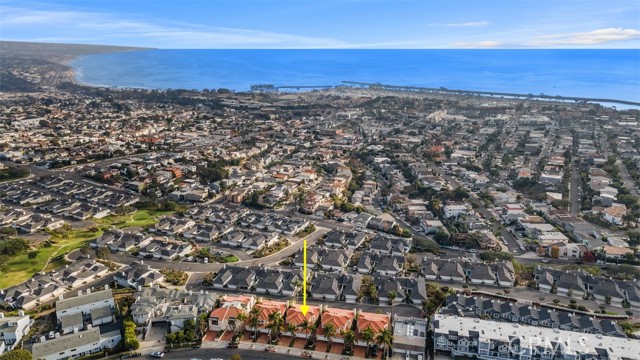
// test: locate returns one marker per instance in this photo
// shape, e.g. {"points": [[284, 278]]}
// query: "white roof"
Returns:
{"points": [[617, 347], [67, 342], [85, 299]]}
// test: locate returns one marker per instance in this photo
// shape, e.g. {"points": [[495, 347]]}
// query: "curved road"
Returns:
{"points": [[213, 267]]}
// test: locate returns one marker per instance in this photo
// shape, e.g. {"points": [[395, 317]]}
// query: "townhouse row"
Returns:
{"points": [[580, 284], [463, 271], [313, 323], [528, 314]]}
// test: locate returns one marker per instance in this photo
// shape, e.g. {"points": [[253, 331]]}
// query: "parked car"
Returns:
{"points": [[157, 354], [126, 356]]}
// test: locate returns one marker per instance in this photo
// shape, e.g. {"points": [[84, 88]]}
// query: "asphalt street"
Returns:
{"points": [[574, 190], [271, 260], [225, 354]]}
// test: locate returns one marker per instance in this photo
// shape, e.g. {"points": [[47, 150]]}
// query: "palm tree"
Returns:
{"points": [[305, 326], [349, 338], [240, 321], [297, 284], [391, 295], [329, 331], [276, 324], [373, 293], [203, 323], [254, 322], [290, 329], [367, 336], [385, 338]]}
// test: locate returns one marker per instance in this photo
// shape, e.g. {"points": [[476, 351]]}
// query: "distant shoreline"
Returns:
{"points": [[57, 53], [570, 74], [242, 78]]}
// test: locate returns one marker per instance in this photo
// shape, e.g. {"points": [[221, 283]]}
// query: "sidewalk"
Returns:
{"points": [[248, 345]]}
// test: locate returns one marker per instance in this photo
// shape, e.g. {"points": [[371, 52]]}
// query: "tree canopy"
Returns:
{"points": [[19, 354]]}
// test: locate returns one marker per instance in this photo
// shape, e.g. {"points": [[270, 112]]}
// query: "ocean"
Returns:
{"points": [[613, 74]]}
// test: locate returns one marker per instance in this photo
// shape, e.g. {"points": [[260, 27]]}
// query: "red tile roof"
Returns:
{"points": [[377, 322], [295, 316], [268, 307], [339, 318]]}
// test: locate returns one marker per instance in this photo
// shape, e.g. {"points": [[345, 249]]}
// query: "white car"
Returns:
{"points": [[157, 354]]}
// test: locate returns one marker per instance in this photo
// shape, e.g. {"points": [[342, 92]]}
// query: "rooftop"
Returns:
{"points": [[618, 348]]}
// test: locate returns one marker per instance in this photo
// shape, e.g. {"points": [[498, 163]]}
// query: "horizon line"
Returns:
{"points": [[326, 48]]}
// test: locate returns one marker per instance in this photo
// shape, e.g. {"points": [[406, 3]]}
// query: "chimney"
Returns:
{"points": [[75, 329], [61, 297], [1, 315], [106, 287], [88, 291], [20, 312]]}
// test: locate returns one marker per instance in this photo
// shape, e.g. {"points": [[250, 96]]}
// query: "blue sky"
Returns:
{"points": [[327, 24]]}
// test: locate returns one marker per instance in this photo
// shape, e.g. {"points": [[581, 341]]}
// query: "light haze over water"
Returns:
{"points": [[612, 74]]}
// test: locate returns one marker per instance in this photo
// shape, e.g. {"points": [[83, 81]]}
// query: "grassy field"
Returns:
{"points": [[141, 218], [20, 268], [231, 258]]}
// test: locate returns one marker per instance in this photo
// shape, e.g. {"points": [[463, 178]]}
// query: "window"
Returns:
{"points": [[214, 321]]}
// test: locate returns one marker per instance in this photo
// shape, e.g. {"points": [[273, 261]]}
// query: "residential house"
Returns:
{"points": [[136, 276], [12, 330], [266, 308], [340, 319], [373, 321], [76, 345], [224, 317], [295, 317]]}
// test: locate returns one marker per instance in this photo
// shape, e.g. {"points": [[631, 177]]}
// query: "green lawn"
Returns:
{"points": [[142, 218], [20, 268]]}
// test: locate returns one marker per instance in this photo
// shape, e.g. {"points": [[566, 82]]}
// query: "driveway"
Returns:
{"points": [[154, 340]]}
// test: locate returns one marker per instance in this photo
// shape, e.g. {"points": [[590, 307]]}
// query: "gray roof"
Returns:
{"points": [[72, 320], [80, 300], [71, 341], [100, 313]]}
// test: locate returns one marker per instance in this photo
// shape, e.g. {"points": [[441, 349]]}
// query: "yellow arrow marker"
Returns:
{"points": [[304, 308]]}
